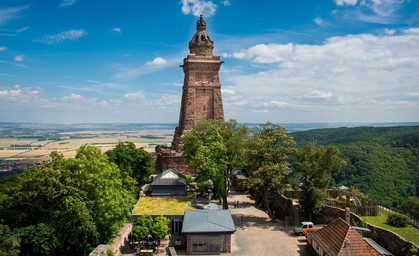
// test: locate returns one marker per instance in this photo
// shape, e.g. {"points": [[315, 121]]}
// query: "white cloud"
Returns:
{"points": [[10, 13], [198, 7], [19, 58], [135, 96], [354, 75], [117, 30], [226, 2], [72, 97], [389, 31], [319, 21], [346, 2], [3, 48], [157, 61], [67, 3], [72, 34]]}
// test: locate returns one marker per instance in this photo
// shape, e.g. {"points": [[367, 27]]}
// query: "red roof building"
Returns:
{"points": [[339, 238]]}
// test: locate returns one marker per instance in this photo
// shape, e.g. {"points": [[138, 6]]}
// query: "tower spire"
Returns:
{"points": [[201, 43]]}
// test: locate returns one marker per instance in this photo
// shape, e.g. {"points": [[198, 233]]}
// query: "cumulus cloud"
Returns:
{"points": [[69, 35], [10, 13], [3, 48], [351, 75], [67, 3], [117, 30], [19, 58], [346, 2], [157, 61], [72, 97], [198, 7], [135, 96]]}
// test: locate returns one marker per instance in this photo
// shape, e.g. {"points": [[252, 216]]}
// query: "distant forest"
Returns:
{"points": [[382, 162]]}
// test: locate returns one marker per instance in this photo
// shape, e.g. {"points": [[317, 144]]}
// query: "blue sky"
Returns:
{"points": [[302, 61]]}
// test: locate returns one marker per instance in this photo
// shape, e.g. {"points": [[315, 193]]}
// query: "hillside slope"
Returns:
{"points": [[383, 162]]}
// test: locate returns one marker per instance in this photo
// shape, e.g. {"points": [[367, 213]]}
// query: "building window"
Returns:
{"points": [[204, 107], [203, 92], [202, 38], [208, 243]]}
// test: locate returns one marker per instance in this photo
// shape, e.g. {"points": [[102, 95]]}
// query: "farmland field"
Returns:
{"points": [[37, 145]]}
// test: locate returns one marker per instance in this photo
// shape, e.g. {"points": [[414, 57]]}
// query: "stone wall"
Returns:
{"points": [[117, 243], [386, 238], [167, 158], [286, 210]]}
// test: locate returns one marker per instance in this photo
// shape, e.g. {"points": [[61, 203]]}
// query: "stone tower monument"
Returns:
{"points": [[201, 97]]}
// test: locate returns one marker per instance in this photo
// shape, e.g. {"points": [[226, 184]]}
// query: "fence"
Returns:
{"points": [[412, 221]]}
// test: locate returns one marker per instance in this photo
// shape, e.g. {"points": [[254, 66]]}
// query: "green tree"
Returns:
{"points": [[136, 162], [145, 221], [9, 245], [216, 148], [266, 161], [314, 169], [160, 228], [139, 233], [67, 206], [411, 207]]}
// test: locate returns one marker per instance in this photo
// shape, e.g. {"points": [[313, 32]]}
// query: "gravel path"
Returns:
{"points": [[257, 235]]}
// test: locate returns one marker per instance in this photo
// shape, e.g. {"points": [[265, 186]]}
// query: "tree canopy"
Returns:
{"points": [[216, 148], [383, 162], [67, 206], [266, 161], [314, 169], [136, 162]]}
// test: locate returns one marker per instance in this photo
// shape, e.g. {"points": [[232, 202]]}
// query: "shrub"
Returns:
{"points": [[397, 220]]}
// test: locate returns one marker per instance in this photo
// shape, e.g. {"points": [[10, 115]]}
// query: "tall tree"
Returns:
{"points": [[136, 162], [267, 159], [314, 169], [67, 206], [216, 148]]}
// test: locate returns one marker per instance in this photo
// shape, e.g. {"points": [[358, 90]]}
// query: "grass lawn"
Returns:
{"points": [[409, 233], [163, 205]]}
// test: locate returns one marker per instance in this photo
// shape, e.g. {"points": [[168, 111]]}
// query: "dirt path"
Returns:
{"points": [[257, 235]]}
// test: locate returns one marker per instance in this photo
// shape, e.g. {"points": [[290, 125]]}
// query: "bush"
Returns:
{"points": [[397, 220]]}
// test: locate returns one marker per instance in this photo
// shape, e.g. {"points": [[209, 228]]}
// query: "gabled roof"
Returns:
{"points": [[169, 177], [207, 221], [339, 238]]}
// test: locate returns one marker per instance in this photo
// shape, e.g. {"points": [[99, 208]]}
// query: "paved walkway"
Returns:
{"points": [[257, 235]]}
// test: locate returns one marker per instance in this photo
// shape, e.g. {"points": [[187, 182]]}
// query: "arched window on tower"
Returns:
{"points": [[204, 107], [203, 38]]}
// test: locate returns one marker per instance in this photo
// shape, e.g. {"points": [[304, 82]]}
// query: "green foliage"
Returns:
{"points": [[9, 245], [397, 220], [383, 162], [160, 228], [67, 206], [216, 148], [139, 233], [109, 252], [411, 207], [266, 160], [143, 227], [314, 170], [136, 162], [144, 221]]}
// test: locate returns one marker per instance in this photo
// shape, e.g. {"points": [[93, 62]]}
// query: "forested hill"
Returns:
{"points": [[383, 162]]}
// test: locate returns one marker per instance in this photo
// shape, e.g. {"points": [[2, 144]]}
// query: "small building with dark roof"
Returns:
{"points": [[339, 238], [208, 231], [169, 183]]}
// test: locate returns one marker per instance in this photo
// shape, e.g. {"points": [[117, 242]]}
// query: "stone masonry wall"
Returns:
{"points": [[117, 243]]}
